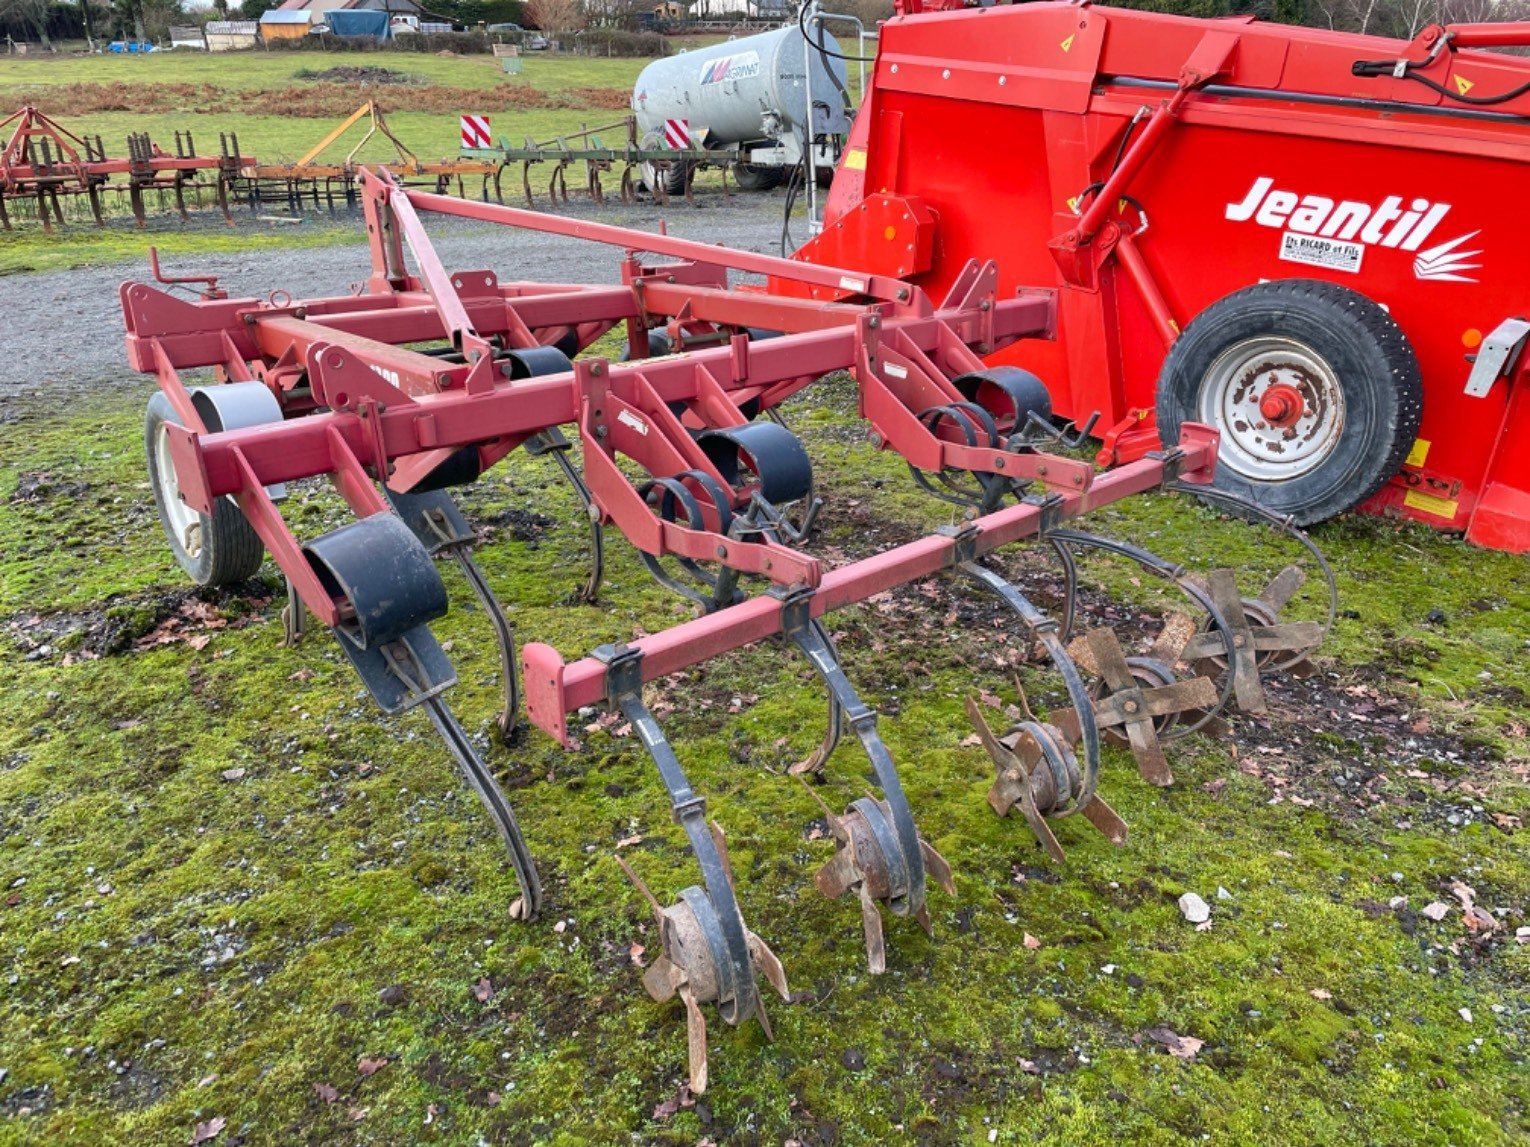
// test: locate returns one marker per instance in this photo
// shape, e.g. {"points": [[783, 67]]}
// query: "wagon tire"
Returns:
{"points": [[754, 177], [214, 549], [1314, 388], [673, 178]]}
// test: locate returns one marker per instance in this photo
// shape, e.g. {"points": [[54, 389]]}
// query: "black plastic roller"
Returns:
{"points": [[772, 453], [1009, 393], [380, 568], [530, 362]]}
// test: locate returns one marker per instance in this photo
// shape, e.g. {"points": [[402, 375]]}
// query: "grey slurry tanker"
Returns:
{"points": [[770, 99]]}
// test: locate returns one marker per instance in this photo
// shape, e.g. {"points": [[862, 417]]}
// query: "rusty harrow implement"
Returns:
{"points": [[43, 163], [321, 176], [426, 378], [644, 162]]}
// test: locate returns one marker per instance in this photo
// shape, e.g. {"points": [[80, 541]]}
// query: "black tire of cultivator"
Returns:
{"points": [[215, 549]]}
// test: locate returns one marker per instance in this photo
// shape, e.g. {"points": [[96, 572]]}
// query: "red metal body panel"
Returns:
{"points": [[996, 121]]}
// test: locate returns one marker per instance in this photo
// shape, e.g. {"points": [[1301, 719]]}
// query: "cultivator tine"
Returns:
{"points": [[708, 954], [293, 615], [1061, 788], [553, 443], [436, 521], [880, 854], [390, 592], [529, 905]]}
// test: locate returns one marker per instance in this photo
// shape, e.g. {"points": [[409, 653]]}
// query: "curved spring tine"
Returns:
{"points": [[908, 885], [591, 590], [497, 804], [1154, 564], [504, 636], [814, 763], [1045, 630], [716, 908]]}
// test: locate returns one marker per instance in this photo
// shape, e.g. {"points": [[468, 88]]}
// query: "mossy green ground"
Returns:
{"points": [[213, 860]]}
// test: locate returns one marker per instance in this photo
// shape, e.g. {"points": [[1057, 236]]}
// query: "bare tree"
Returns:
{"points": [[555, 17]]}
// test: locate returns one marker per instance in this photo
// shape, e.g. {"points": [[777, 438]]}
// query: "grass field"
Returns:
{"points": [[568, 93]]}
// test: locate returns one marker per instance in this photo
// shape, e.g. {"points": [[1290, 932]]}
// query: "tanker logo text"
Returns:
{"points": [[1341, 229], [739, 67]]}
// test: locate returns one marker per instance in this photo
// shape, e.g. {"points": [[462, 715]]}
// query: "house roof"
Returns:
{"points": [[280, 16]]}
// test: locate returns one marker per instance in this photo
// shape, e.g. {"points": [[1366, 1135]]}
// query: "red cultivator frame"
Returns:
{"points": [[427, 378]]}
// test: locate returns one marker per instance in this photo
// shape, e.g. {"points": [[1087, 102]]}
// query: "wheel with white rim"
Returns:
{"points": [[1313, 387], [214, 549]]}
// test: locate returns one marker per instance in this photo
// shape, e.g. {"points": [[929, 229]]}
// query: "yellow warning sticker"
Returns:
{"points": [[1429, 504], [1419, 452], [1068, 43], [1463, 85], [855, 159]]}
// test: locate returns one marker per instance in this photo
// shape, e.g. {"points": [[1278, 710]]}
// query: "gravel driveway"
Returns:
{"points": [[64, 328]]}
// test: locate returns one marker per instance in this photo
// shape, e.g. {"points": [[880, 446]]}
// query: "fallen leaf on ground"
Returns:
{"points": [[483, 990], [1321, 994], [1180, 1046], [369, 1067], [1031, 942], [1436, 911], [209, 1130], [325, 1092]]}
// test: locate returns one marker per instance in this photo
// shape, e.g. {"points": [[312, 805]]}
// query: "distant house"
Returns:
{"points": [[186, 36], [743, 9], [282, 25], [231, 35]]}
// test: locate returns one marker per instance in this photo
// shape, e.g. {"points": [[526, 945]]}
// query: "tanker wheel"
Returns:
{"points": [[214, 549], [753, 177], [673, 178], [1313, 386]]}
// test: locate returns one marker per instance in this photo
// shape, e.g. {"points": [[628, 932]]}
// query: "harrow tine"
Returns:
{"points": [[293, 615], [814, 763], [553, 443], [529, 905], [637, 882], [1283, 587], [880, 853], [709, 954], [1169, 646]]}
